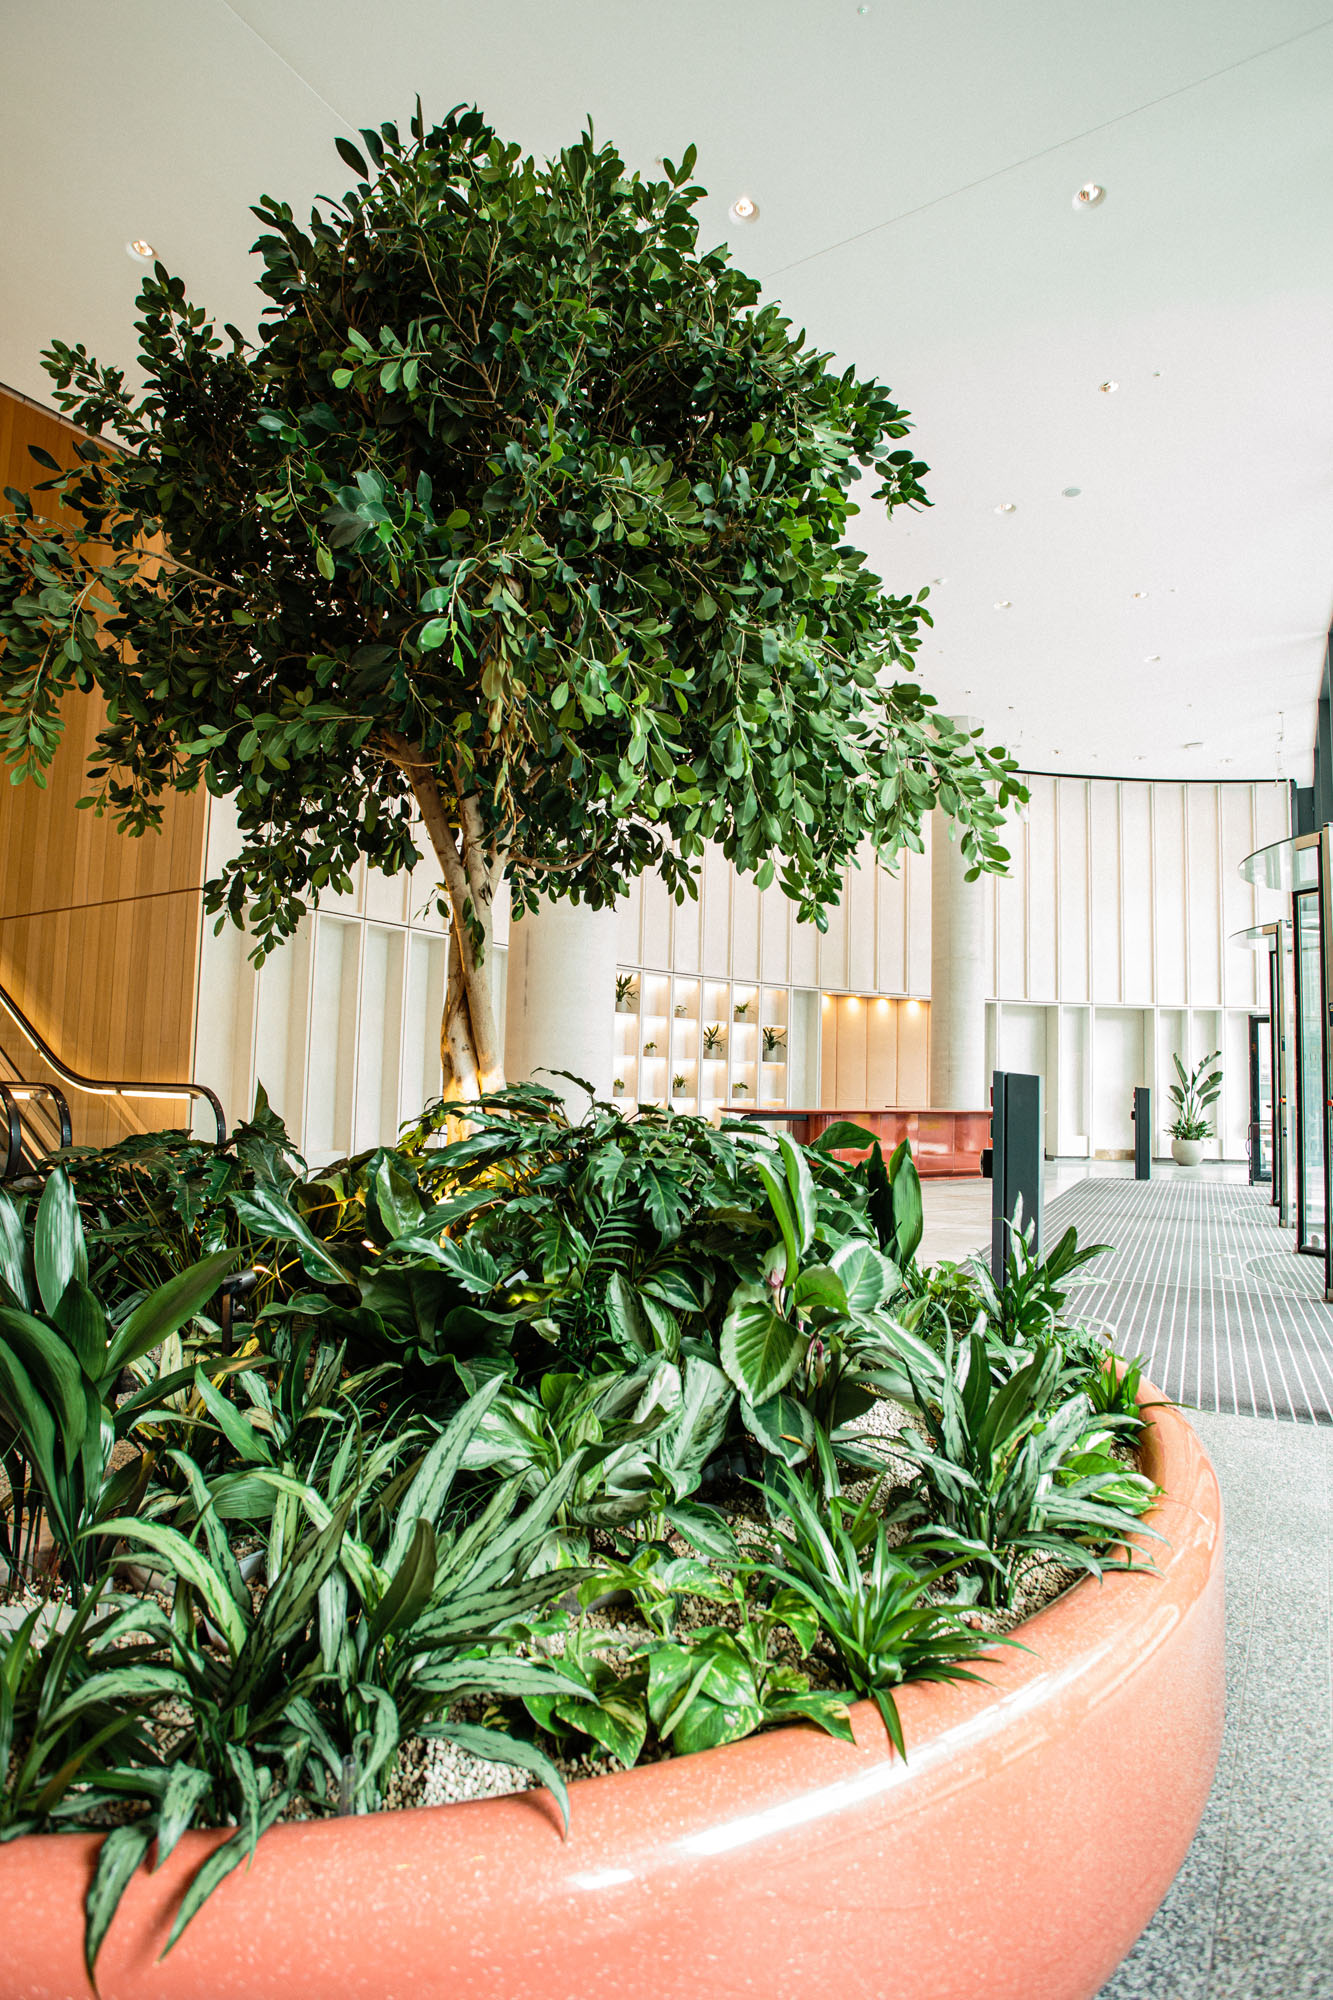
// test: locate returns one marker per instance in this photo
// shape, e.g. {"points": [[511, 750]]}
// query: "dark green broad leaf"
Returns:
{"points": [[352, 156], [58, 1250], [166, 1310], [783, 1427]]}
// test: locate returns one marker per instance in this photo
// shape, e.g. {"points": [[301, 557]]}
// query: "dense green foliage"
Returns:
{"points": [[521, 512], [477, 1387]]}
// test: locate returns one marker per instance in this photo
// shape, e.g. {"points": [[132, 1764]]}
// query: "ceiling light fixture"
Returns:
{"points": [[1089, 195], [142, 252], [1108, 388], [1071, 492], [1004, 604], [1151, 659], [1140, 593], [744, 209], [939, 579], [1007, 507], [1196, 745]]}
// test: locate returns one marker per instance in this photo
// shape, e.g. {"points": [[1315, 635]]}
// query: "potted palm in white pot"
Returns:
{"points": [[1192, 1095]]}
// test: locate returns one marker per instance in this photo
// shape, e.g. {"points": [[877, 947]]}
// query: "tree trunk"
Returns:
{"points": [[471, 1054]]}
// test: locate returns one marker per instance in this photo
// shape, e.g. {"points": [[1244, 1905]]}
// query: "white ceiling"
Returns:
{"points": [[914, 162]]}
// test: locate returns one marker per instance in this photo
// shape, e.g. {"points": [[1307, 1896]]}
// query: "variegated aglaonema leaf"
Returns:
{"points": [[759, 1348]]}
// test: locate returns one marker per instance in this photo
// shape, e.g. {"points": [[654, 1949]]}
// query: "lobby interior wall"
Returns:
{"points": [[1121, 894], [98, 932]]}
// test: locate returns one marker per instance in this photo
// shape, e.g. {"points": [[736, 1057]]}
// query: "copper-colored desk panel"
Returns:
{"points": [[942, 1142]]}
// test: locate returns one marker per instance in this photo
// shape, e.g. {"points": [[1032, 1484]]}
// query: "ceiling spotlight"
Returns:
{"points": [[1227, 760], [743, 209], [1139, 593], [1007, 507], [1071, 492], [1108, 388], [1089, 195], [1151, 659], [939, 579], [1196, 745], [1004, 604], [142, 253]]}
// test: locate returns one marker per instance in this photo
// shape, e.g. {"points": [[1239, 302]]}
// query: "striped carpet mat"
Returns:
{"points": [[1202, 1282]]}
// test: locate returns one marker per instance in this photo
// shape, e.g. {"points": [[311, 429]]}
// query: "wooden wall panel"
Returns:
{"points": [[99, 933]]}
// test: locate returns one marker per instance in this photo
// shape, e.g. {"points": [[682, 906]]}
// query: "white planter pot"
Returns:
{"points": [[1187, 1152]]}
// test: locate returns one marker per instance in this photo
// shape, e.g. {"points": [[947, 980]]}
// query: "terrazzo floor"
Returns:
{"points": [[1195, 1282]]}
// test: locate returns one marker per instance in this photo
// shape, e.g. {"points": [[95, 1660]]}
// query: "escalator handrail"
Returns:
{"points": [[10, 1092], [108, 1086]]}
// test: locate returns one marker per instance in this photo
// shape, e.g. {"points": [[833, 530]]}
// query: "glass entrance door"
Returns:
{"points": [[1311, 1213], [1261, 1100]]}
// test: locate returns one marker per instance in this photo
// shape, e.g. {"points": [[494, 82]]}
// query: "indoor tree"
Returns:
{"points": [[519, 516]]}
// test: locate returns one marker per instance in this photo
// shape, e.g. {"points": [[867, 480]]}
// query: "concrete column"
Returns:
{"points": [[560, 999], [958, 1079]]}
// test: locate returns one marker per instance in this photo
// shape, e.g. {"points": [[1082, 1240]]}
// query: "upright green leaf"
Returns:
{"points": [[59, 1253]]}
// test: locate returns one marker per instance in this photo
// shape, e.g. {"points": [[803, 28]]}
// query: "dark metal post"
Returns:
{"points": [[1142, 1116], [1018, 1174]]}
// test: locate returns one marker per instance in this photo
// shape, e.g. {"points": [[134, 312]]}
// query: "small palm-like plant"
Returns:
{"points": [[1192, 1095], [872, 1603]]}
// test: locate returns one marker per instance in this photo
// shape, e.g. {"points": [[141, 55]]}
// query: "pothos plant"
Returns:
{"points": [[519, 517]]}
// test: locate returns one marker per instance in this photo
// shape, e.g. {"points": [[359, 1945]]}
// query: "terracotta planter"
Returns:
{"points": [[1017, 1854], [1187, 1152]]}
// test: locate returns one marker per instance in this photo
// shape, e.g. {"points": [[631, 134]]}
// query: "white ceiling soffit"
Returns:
{"points": [[914, 162]]}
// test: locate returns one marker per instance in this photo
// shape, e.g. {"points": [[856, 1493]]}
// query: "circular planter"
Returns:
{"points": [[1031, 1833], [1187, 1152]]}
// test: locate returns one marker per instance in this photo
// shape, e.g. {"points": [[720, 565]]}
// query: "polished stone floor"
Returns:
{"points": [[1250, 1915]]}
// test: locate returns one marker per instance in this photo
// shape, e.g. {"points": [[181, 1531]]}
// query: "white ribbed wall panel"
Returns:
{"points": [[1120, 894]]}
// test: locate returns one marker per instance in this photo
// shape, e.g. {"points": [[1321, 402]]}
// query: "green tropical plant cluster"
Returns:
{"points": [[461, 1393], [1192, 1093]]}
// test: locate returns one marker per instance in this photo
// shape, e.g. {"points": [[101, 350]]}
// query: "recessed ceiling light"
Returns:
{"points": [[1071, 492], [744, 209], [142, 252], [1089, 195], [939, 579], [1140, 593], [1226, 760], [1108, 388], [1004, 604], [1196, 745], [1007, 507], [1151, 659]]}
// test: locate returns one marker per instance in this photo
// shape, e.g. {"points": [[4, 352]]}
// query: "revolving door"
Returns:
{"points": [[1302, 868], [1272, 1078]]}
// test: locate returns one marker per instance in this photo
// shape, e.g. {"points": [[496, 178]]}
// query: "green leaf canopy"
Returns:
{"points": [[521, 515]]}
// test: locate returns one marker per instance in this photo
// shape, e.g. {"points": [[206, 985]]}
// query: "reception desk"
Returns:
{"points": [[942, 1142]]}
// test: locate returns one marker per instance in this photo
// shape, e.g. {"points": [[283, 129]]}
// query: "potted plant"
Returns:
{"points": [[775, 1044], [742, 1009], [715, 1047], [681, 1010], [627, 992], [742, 1090], [678, 1085], [1192, 1095], [650, 1048], [618, 1087]]}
